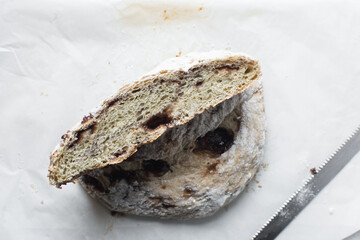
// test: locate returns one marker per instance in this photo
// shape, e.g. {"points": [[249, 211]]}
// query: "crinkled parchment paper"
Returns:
{"points": [[59, 59]]}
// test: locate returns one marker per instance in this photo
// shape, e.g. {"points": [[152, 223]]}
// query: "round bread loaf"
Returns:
{"points": [[170, 96], [205, 171]]}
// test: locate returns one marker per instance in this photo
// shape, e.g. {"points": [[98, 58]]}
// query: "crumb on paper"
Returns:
{"points": [[93, 82], [165, 15], [256, 181], [44, 94], [265, 165], [109, 228], [179, 54], [200, 9], [32, 186], [259, 186], [42, 202], [313, 171]]}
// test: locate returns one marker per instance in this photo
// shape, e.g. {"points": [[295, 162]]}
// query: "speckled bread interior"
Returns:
{"points": [[207, 173], [141, 112]]}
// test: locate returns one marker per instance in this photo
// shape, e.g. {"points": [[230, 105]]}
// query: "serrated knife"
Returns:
{"points": [[312, 186]]}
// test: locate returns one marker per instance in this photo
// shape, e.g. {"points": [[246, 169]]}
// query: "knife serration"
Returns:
{"points": [[312, 186]]}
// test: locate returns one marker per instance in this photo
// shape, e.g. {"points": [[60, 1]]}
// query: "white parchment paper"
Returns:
{"points": [[59, 59]]}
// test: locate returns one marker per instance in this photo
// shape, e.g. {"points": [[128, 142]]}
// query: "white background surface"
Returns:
{"points": [[59, 59]]}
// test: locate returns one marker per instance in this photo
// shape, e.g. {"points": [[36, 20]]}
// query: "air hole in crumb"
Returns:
{"points": [[188, 192], [249, 69], [89, 180], [167, 205], [215, 142], [156, 167], [255, 76], [164, 97], [118, 153], [117, 174], [198, 84], [136, 90]]}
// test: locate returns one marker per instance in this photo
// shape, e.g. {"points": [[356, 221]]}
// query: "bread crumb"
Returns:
{"points": [[256, 181], [42, 202], [165, 16], [179, 55], [109, 228], [259, 186], [32, 186], [265, 165], [200, 8], [313, 171]]}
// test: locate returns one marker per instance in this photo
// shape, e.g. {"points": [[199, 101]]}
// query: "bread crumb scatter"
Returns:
{"points": [[313, 171], [265, 165], [109, 228], [165, 15], [179, 54]]}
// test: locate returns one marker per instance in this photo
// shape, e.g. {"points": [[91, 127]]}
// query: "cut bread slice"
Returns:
{"points": [[171, 95]]}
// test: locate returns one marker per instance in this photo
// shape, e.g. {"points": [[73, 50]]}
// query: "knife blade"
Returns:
{"points": [[312, 186]]}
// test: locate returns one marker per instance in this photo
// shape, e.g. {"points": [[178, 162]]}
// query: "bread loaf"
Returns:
{"points": [[138, 114]]}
